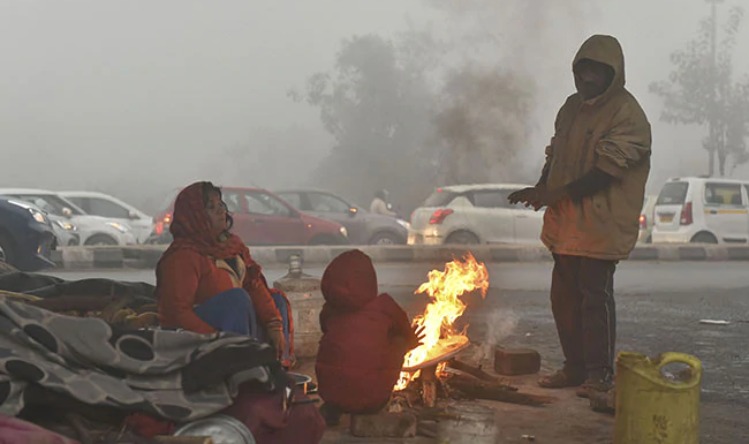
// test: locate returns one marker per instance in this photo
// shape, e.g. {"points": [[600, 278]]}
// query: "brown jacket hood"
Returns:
{"points": [[607, 50]]}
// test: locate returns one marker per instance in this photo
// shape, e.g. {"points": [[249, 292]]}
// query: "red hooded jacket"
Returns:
{"points": [[358, 362]]}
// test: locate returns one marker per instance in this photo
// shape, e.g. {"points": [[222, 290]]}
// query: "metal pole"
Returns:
{"points": [[713, 139]]}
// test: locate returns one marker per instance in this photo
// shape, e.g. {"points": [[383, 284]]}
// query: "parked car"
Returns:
{"points": [[104, 205], [363, 226], [93, 230], [647, 220], [702, 210], [26, 235], [262, 218], [66, 233], [474, 214]]}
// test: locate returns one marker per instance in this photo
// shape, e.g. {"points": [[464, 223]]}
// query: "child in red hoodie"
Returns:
{"points": [[365, 337]]}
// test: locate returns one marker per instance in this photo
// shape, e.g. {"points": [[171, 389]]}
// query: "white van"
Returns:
{"points": [[702, 210]]}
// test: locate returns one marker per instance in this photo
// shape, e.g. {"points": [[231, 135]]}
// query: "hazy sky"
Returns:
{"points": [[143, 92]]}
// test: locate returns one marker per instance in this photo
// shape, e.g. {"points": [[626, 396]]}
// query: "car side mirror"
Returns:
{"points": [[133, 215], [353, 211], [67, 212]]}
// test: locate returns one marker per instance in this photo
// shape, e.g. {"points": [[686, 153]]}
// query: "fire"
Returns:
{"points": [[444, 289]]}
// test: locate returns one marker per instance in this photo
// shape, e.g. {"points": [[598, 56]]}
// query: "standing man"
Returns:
{"points": [[379, 204], [593, 185]]}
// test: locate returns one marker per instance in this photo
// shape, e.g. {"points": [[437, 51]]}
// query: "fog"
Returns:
{"points": [[136, 98]]}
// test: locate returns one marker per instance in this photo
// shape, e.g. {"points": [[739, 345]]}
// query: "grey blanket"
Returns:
{"points": [[178, 376]]}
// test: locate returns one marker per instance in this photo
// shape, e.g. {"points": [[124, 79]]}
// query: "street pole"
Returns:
{"points": [[712, 121]]}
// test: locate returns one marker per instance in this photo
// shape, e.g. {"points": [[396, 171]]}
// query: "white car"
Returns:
{"points": [[93, 230], [475, 214], [104, 205], [702, 210]]}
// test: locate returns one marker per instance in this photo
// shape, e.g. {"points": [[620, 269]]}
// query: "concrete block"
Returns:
{"points": [[644, 254], [518, 361], [108, 258], [384, 425], [692, 253]]}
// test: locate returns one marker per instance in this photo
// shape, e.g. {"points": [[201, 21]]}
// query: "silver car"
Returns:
{"points": [[363, 227]]}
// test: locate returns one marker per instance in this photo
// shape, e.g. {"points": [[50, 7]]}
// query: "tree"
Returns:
{"points": [[482, 125], [377, 108], [700, 90]]}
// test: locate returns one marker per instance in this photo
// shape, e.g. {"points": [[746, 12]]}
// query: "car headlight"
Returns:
{"points": [[67, 226], [404, 224], [344, 231], [38, 216], [119, 227]]}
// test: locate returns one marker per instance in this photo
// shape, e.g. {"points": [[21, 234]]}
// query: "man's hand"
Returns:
{"points": [[538, 197], [524, 196]]}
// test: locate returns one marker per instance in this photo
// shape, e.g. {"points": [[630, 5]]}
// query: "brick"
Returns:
{"points": [[384, 425], [518, 361]]}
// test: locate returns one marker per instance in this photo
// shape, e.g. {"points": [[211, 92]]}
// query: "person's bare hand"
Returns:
{"points": [[546, 198], [537, 197], [524, 196], [419, 336]]}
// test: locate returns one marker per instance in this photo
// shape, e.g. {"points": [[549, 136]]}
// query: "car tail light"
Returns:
{"points": [[643, 221], [686, 214], [161, 225], [439, 216]]}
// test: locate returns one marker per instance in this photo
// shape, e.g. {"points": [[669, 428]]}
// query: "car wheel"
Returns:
{"points": [[6, 249], [462, 238], [704, 238], [98, 240], [385, 239]]}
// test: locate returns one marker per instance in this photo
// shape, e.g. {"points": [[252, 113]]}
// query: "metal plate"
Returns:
{"points": [[299, 379], [222, 429], [447, 349]]}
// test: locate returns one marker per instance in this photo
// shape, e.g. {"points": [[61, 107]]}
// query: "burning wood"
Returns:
{"points": [[441, 339]]}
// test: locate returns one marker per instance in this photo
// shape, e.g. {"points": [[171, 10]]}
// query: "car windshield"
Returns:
{"points": [[51, 204], [673, 193], [439, 198]]}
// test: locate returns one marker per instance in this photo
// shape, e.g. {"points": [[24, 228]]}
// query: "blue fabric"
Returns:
{"points": [[232, 311]]}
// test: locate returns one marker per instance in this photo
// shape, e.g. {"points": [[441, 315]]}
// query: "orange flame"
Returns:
{"points": [[445, 289]]}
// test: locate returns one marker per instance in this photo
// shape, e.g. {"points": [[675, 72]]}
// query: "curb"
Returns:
{"points": [[146, 257]]}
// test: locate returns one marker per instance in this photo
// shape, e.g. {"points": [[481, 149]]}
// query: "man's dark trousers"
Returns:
{"points": [[582, 300]]}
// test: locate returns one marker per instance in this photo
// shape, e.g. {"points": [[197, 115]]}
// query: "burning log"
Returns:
{"points": [[477, 389], [476, 372], [429, 386]]}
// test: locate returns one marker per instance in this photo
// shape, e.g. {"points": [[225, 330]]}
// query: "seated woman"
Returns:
{"points": [[206, 280]]}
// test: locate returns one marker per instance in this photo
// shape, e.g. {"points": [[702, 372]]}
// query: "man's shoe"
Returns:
{"points": [[599, 381], [561, 379]]}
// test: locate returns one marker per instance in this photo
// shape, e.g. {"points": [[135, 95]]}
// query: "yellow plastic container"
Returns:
{"points": [[653, 408]]}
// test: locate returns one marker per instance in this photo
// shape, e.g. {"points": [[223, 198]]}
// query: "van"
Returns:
{"points": [[702, 210]]}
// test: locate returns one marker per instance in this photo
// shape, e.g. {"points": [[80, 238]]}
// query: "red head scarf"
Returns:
{"points": [[192, 229]]}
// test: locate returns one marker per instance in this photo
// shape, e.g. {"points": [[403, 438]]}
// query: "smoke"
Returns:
{"points": [[199, 92], [500, 324]]}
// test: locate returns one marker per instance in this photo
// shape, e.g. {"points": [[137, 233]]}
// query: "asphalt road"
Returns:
{"points": [[659, 307]]}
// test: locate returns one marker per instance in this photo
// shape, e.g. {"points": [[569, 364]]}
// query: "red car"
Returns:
{"points": [[262, 218]]}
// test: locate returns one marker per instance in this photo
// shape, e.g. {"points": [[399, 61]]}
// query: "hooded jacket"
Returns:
{"points": [[609, 132], [357, 362]]}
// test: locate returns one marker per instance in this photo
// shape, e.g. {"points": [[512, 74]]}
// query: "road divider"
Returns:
{"points": [[147, 256]]}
